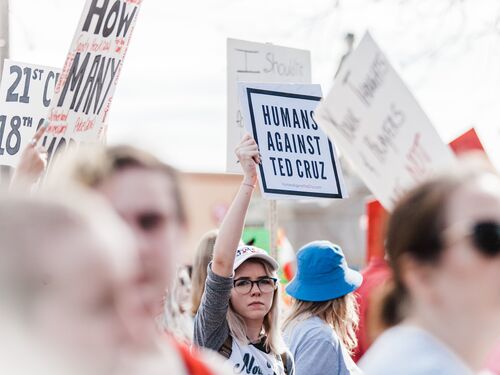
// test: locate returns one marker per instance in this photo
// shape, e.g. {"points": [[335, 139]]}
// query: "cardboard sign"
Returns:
{"points": [[298, 160], [25, 96], [85, 90], [378, 125], [258, 62]]}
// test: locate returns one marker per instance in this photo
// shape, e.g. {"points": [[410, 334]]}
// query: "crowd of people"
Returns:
{"points": [[90, 281]]}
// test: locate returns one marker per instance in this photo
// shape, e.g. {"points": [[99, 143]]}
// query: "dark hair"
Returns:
{"points": [[414, 230]]}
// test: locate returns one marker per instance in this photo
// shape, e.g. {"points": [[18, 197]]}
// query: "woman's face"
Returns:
{"points": [[467, 280], [255, 304], [145, 201]]}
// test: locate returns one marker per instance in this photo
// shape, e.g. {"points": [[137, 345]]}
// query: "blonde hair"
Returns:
{"points": [[203, 256], [340, 313], [271, 325]]}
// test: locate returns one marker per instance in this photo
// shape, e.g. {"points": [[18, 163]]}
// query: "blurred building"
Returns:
{"points": [[208, 196]]}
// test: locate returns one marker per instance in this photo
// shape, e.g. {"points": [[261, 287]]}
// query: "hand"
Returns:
{"points": [[33, 160], [248, 156]]}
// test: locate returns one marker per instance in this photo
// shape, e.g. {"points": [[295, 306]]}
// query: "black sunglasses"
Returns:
{"points": [[485, 235]]}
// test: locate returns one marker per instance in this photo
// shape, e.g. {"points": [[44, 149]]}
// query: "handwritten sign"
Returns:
{"points": [[25, 96], [85, 90], [298, 160], [378, 125], [258, 62]]}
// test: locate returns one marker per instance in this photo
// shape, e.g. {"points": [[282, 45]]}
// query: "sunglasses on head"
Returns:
{"points": [[485, 235]]}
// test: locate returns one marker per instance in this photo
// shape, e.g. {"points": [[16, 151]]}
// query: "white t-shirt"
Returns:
{"points": [[410, 350], [247, 359]]}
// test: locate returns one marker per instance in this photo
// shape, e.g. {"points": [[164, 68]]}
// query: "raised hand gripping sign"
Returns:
{"points": [[84, 92], [298, 160], [25, 95], [258, 62], [379, 126]]}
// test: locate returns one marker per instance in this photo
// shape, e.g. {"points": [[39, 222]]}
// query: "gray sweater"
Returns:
{"points": [[210, 324]]}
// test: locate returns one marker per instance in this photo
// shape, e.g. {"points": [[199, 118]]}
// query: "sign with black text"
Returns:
{"points": [[263, 63], [84, 92], [298, 159], [379, 126], [25, 95]]}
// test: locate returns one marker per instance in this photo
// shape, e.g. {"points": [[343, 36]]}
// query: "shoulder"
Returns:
{"points": [[312, 335], [410, 350], [314, 328]]}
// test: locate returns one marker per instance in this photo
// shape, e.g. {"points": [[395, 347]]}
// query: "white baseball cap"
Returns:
{"points": [[243, 253]]}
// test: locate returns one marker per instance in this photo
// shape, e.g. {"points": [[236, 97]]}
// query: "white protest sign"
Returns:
{"points": [[85, 90], [378, 125], [298, 159], [490, 138], [25, 94], [258, 62]]}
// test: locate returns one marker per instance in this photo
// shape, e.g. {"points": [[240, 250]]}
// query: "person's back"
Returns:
{"points": [[308, 336], [320, 329]]}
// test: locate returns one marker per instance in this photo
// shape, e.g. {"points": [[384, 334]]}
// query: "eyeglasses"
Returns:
{"points": [[485, 235], [265, 285]]}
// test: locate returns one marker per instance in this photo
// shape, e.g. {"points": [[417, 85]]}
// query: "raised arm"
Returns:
{"points": [[32, 163], [232, 226]]}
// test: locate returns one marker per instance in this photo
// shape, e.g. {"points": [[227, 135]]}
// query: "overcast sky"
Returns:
{"points": [[171, 97]]}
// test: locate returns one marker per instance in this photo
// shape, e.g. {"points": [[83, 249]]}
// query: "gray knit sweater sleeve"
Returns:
{"points": [[210, 323]]}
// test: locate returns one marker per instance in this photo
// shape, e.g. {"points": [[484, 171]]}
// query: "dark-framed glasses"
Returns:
{"points": [[485, 235], [265, 285]]}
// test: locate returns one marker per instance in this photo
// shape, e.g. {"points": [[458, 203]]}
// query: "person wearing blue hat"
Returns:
{"points": [[320, 330]]}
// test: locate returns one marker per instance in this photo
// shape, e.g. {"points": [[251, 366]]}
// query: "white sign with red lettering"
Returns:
{"points": [[258, 62], [85, 89], [377, 124]]}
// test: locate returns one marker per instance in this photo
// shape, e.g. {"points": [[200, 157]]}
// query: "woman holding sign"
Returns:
{"points": [[238, 314]]}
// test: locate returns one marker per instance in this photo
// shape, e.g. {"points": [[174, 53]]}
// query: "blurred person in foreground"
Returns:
{"points": [[146, 194], [443, 244], [66, 275]]}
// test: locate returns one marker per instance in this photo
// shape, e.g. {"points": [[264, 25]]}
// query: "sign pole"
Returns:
{"points": [[273, 228]]}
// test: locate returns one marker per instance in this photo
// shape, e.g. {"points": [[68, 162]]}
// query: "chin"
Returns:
{"points": [[257, 314]]}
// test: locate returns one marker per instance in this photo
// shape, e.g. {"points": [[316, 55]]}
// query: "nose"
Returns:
{"points": [[255, 291]]}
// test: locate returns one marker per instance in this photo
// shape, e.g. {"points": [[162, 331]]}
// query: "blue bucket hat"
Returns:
{"points": [[322, 273]]}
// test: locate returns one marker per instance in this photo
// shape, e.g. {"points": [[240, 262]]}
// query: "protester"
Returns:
{"points": [[49, 248], [443, 244], [320, 330], [239, 311], [32, 163], [147, 195], [177, 318], [203, 256]]}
